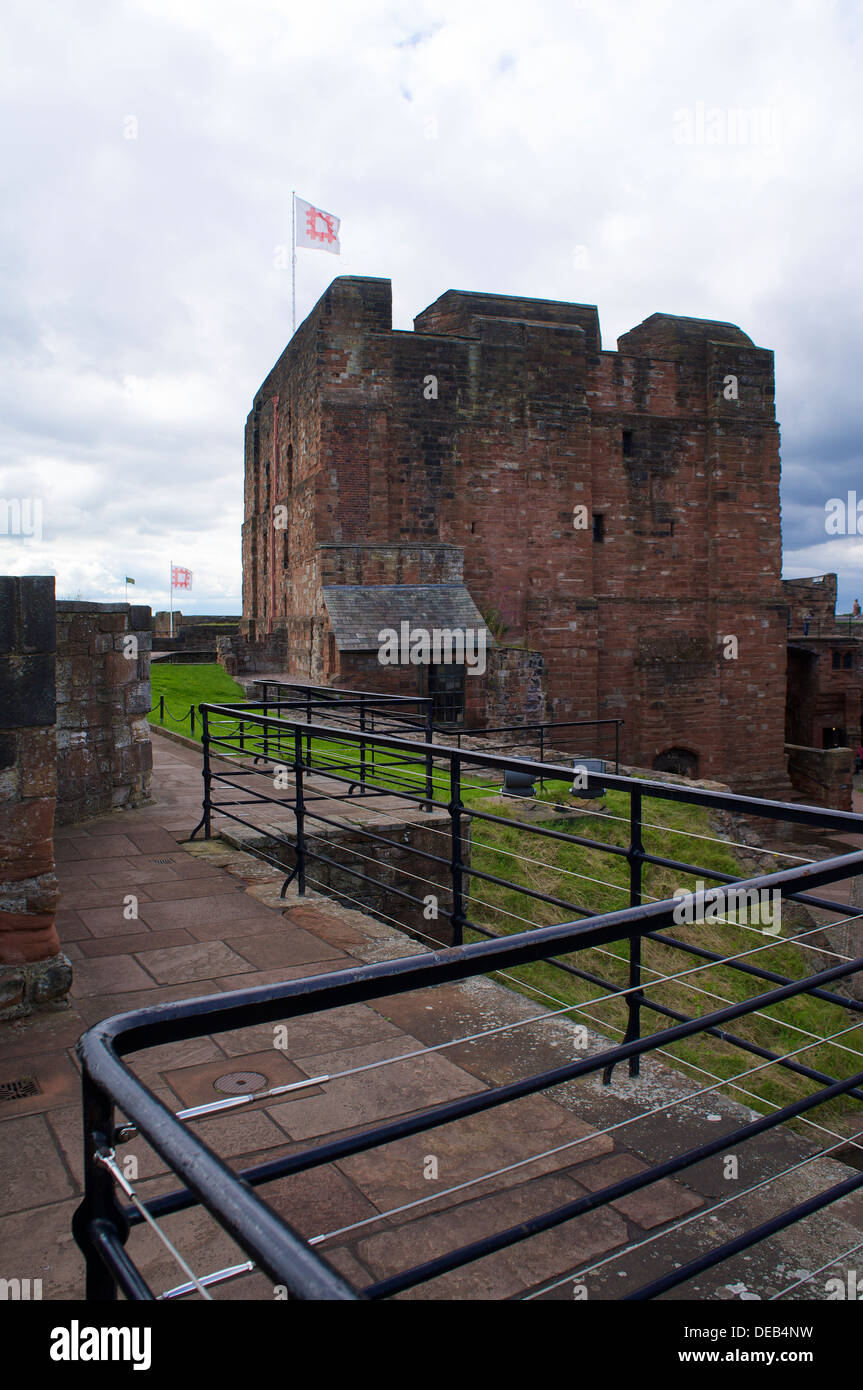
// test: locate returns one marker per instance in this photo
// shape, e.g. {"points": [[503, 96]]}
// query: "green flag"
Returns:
{"points": [[128, 580]]}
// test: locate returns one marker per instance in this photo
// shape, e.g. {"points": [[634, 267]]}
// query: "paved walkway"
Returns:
{"points": [[209, 919]]}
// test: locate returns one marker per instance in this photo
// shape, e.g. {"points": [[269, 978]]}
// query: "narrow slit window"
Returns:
{"points": [[598, 526]]}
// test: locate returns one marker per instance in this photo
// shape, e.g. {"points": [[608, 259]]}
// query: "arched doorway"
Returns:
{"points": [[680, 761]]}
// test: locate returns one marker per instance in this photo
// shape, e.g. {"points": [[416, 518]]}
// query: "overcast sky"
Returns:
{"points": [[581, 150]]}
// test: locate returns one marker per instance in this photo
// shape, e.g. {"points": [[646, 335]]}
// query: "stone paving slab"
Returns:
{"points": [[509, 1271], [207, 908]]}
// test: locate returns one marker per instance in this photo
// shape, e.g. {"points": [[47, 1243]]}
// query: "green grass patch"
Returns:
{"points": [[186, 685], [567, 871]]}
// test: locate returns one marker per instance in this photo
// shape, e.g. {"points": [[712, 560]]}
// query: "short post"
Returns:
{"points": [[617, 745], [456, 848], [541, 751], [242, 736], [205, 744], [192, 719], [299, 812], [635, 856], [429, 738], [161, 709]]}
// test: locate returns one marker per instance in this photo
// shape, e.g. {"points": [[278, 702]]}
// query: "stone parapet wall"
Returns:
{"points": [[33, 971], [822, 776], [811, 600], [104, 758]]}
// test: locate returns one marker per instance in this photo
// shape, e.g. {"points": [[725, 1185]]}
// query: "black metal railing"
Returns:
{"points": [[102, 1225], [547, 737]]}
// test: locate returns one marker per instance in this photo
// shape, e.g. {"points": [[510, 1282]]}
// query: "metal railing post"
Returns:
{"points": [[99, 1203], [617, 745], [299, 812], [362, 746], [541, 752], [308, 721], [205, 744], [635, 857], [161, 709], [456, 846], [192, 720], [429, 738]]}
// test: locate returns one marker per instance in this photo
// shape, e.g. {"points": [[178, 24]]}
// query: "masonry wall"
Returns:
{"points": [[811, 600], [33, 971], [104, 757], [822, 776], [529, 419]]}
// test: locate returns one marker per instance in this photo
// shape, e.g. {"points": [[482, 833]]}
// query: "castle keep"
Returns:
{"points": [[610, 516]]}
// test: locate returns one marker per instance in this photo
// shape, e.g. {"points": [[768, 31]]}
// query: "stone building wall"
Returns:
{"points": [[353, 466], [33, 971], [104, 757]]}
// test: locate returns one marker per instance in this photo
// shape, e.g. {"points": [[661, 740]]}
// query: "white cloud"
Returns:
{"points": [[142, 306]]}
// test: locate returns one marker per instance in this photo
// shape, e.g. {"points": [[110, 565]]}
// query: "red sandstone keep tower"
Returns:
{"points": [[394, 473]]}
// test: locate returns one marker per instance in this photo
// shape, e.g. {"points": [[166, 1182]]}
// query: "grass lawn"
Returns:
{"points": [[183, 686], [566, 871]]}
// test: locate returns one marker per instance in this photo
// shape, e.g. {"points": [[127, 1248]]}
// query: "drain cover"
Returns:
{"points": [[240, 1083], [21, 1087], [161, 861]]}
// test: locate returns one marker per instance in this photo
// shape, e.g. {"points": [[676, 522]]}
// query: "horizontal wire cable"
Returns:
{"points": [[249, 1267], [685, 1221], [671, 1056], [620, 888], [108, 1161], [546, 1153], [809, 1277], [756, 1013]]}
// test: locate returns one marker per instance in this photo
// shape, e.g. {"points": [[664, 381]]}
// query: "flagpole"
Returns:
{"points": [[172, 599], [293, 263]]}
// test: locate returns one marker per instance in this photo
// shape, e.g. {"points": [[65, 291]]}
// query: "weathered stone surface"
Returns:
{"points": [[103, 692], [476, 484], [33, 984]]}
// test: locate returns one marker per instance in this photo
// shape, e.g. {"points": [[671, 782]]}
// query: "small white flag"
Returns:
{"points": [[317, 230]]}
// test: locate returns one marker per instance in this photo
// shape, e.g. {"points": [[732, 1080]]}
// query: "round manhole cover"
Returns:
{"points": [[240, 1083]]}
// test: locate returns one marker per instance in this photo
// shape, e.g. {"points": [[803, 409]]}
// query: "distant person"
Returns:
{"points": [[859, 765], [806, 617], [855, 611]]}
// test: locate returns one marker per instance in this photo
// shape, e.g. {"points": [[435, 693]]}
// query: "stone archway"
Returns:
{"points": [[681, 761]]}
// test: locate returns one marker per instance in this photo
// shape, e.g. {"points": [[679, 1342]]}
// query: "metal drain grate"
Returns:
{"points": [[240, 1083], [21, 1087], [161, 861]]}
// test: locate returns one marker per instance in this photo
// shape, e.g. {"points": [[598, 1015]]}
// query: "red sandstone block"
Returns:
{"points": [[27, 936], [26, 838], [119, 670]]}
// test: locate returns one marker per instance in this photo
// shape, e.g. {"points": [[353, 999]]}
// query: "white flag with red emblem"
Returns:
{"points": [[181, 578], [317, 230]]}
